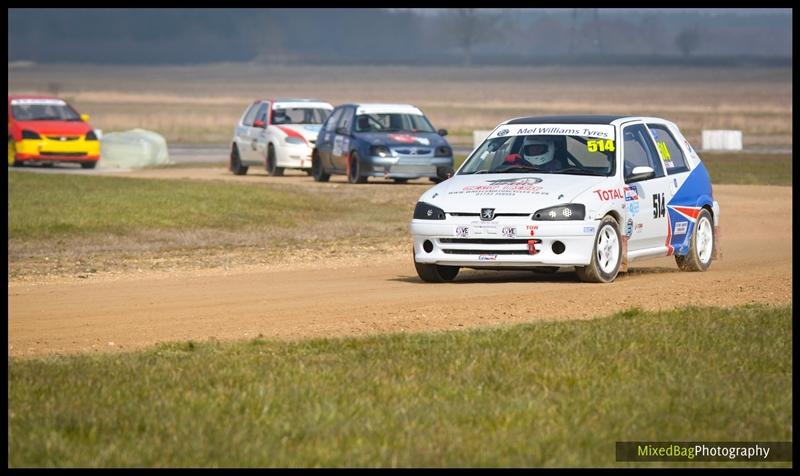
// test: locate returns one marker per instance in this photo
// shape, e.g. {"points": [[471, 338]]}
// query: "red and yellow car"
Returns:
{"points": [[46, 130]]}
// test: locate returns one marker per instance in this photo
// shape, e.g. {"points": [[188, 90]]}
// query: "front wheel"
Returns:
{"points": [[435, 273], [317, 170], [606, 254], [236, 162], [354, 171], [272, 163], [701, 248]]}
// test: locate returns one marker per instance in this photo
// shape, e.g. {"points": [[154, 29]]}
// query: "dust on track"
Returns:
{"points": [[353, 297]]}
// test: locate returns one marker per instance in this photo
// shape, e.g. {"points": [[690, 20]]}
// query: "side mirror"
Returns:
{"points": [[640, 173], [85, 117], [442, 132], [343, 131], [259, 123]]}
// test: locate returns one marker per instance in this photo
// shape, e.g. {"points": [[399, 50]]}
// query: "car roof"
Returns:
{"points": [[568, 119], [377, 108], [31, 96]]}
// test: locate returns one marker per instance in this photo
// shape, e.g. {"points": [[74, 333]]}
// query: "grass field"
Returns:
{"points": [[546, 394], [202, 103]]}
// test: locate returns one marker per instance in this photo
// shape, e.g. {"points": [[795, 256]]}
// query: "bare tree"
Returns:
{"points": [[688, 40], [470, 28]]}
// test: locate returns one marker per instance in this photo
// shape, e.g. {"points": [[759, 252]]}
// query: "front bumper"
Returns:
{"points": [[505, 242], [407, 167], [46, 150], [294, 157]]}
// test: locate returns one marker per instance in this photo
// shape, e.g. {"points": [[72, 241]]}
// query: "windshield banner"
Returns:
{"points": [[584, 130], [40, 102]]}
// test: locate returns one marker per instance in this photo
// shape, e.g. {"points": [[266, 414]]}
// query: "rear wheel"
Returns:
{"points": [[272, 162], [606, 254], [89, 165], [236, 162], [701, 248], [317, 171], [354, 172]]}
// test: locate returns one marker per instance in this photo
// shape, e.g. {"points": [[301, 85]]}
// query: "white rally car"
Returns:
{"points": [[277, 134], [590, 192]]}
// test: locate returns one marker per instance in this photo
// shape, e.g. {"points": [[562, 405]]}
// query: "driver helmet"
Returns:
{"points": [[538, 151]]}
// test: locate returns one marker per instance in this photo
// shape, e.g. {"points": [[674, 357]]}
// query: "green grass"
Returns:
{"points": [[748, 169], [545, 394], [47, 206]]}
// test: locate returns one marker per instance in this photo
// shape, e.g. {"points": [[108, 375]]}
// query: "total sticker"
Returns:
{"points": [[487, 257]]}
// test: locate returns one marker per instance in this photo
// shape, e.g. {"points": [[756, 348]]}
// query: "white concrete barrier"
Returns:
{"points": [[478, 137], [722, 140]]}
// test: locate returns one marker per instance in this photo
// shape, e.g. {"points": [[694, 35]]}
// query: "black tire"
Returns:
{"points": [[700, 254], [89, 165], [602, 269], [354, 172], [272, 163], [236, 162], [317, 170], [436, 273], [436, 180]]}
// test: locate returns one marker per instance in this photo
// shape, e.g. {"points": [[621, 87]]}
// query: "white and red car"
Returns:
{"points": [[589, 192], [277, 134]]}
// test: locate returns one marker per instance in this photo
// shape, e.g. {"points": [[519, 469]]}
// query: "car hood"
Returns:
{"points": [[509, 193], [55, 127], [397, 139], [307, 131]]}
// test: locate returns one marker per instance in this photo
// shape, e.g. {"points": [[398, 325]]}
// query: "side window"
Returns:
{"points": [[251, 115], [330, 126], [347, 118], [639, 150], [671, 154], [262, 113]]}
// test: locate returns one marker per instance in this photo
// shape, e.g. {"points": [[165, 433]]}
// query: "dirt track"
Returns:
{"points": [[355, 298]]}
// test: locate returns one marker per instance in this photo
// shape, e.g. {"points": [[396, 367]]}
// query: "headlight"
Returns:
{"points": [[295, 140], [26, 134], [380, 151], [572, 211], [443, 151], [91, 135], [426, 211]]}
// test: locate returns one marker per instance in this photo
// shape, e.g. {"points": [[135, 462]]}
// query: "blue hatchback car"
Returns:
{"points": [[394, 141]]}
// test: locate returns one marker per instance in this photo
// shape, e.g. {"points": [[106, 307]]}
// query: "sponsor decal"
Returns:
{"points": [[312, 128], [639, 227], [633, 208], [681, 227], [337, 145], [532, 229], [631, 193], [606, 145], [462, 231], [590, 130], [504, 187], [588, 229], [409, 139], [608, 194], [509, 232], [345, 144], [488, 257], [629, 228]]}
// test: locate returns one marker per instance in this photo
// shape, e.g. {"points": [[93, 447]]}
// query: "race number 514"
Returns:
{"points": [[659, 207]]}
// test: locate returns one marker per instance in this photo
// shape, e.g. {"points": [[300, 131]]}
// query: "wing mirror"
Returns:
{"points": [[640, 173], [343, 131], [259, 123], [442, 132], [85, 117]]}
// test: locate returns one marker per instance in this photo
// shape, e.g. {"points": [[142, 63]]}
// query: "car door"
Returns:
{"points": [[242, 136], [326, 137], [341, 142], [257, 136], [646, 222]]}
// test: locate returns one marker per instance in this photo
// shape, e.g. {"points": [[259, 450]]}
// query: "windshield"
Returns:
{"points": [[392, 122], [300, 115], [554, 154], [44, 111]]}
